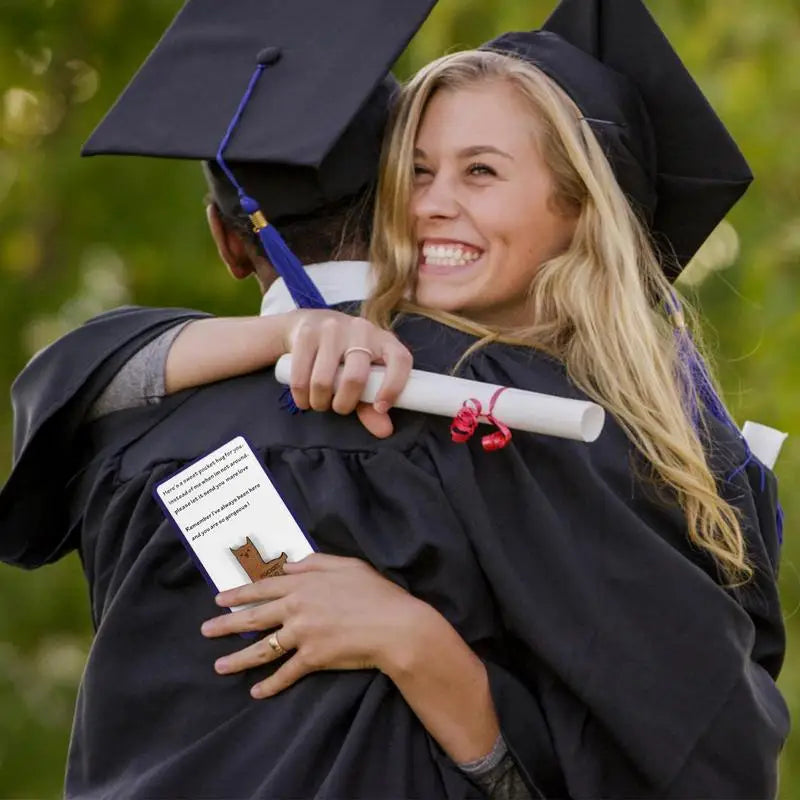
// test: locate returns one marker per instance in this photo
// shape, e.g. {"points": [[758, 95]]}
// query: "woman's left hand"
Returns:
{"points": [[333, 612]]}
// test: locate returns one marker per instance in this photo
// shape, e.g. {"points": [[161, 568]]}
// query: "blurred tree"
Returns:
{"points": [[78, 236]]}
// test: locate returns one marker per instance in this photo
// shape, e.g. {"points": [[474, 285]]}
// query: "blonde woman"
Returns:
{"points": [[601, 619], [613, 567]]}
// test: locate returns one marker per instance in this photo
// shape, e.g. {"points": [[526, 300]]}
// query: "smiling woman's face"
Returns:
{"points": [[482, 205]]}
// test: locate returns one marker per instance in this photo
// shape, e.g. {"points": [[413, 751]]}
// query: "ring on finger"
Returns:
{"points": [[275, 645], [359, 349]]}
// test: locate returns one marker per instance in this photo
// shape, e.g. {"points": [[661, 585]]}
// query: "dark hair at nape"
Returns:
{"points": [[337, 231]]}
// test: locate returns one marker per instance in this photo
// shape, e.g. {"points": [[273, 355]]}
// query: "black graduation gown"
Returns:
{"points": [[618, 666]]}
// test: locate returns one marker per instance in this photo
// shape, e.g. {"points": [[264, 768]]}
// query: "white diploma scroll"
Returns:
{"points": [[521, 410], [764, 442]]}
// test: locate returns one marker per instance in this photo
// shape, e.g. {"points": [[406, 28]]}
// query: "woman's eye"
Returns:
{"points": [[420, 170], [480, 169]]}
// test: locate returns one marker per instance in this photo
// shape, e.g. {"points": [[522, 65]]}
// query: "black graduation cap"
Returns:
{"points": [[311, 130], [670, 151], [288, 97]]}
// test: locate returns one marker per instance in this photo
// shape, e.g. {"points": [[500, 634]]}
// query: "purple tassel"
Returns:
{"points": [[688, 395], [287, 402], [697, 385], [302, 289], [304, 293], [704, 387]]}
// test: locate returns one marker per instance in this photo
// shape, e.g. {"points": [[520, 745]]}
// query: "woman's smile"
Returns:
{"points": [[482, 205], [448, 256]]}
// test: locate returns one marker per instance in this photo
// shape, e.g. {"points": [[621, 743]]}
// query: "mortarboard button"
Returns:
{"points": [[269, 56]]}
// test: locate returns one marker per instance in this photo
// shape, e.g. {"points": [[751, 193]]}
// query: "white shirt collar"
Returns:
{"points": [[338, 282]]}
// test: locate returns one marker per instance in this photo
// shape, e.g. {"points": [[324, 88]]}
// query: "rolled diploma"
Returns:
{"points": [[764, 442], [521, 410]]}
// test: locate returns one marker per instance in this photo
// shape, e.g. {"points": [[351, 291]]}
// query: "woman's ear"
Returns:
{"points": [[229, 244]]}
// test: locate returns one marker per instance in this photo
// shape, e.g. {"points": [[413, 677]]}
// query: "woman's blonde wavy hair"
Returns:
{"points": [[598, 307]]}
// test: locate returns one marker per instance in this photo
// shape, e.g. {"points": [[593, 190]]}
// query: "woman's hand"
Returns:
{"points": [[340, 613], [333, 612], [322, 341]]}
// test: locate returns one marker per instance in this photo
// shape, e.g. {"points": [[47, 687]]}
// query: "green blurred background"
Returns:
{"points": [[80, 236]]}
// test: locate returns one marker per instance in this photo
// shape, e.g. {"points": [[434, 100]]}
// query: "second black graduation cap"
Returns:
{"points": [[311, 131], [670, 151]]}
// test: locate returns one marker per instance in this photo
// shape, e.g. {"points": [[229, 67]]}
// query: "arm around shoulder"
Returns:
{"points": [[215, 349]]}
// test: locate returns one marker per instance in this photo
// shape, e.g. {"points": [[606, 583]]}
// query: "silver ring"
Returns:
{"points": [[358, 349], [276, 647]]}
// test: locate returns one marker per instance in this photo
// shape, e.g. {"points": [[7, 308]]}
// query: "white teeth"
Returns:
{"points": [[449, 255], [446, 262]]}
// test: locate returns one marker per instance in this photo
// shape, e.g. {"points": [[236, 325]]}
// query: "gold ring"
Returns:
{"points": [[358, 349], [276, 647]]}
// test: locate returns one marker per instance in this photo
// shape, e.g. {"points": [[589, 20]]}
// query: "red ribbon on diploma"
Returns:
{"points": [[471, 413]]}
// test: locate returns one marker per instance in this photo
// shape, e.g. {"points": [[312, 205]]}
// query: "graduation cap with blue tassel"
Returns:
{"points": [[285, 102], [302, 289]]}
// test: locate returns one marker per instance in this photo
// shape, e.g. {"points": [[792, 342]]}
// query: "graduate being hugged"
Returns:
{"points": [[560, 619]]}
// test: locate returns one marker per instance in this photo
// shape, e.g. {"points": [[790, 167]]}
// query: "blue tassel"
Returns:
{"points": [[701, 387], [304, 293], [684, 347], [287, 402], [704, 386], [697, 383], [302, 289]]}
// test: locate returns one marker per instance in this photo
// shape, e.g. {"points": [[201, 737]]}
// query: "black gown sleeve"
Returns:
{"points": [[50, 398]]}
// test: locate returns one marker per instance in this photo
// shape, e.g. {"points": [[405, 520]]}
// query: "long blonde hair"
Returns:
{"points": [[598, 307]]}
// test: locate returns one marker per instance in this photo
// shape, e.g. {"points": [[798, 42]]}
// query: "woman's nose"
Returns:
{"points": [[436, 199]]}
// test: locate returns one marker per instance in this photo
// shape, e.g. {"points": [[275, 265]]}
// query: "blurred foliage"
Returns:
{"points": [[78, 236]]}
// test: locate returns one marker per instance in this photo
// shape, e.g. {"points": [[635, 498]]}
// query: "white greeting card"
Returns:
{"points": [[232, 518]]}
